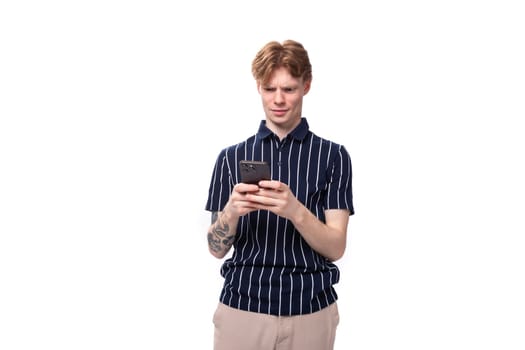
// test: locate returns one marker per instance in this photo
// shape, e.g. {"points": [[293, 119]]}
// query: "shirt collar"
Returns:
{"points": [[299, 133]]}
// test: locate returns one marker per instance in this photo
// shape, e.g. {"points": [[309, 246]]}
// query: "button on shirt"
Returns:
{"points": [[272, 269]]}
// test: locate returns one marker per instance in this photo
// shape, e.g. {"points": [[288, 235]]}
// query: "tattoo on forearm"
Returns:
{"points": [[219, 237], [214, 217], [214, 243], [222, 229]]}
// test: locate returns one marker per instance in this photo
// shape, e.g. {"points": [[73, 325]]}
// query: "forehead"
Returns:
{"points": [[281, 76]]}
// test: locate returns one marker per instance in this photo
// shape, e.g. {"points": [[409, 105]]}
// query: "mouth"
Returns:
{"points": [[279, 112]]}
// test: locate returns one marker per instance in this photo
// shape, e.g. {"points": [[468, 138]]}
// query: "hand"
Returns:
{"points": [[274, 196], [239, 204]]}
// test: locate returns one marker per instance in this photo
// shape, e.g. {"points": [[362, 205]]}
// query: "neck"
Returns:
{"points": [[282, 130]]}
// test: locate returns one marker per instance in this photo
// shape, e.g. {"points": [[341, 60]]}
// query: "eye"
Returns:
{"points": [[269, 89]]}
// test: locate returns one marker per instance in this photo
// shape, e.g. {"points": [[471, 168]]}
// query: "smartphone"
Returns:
{"points": [[254, 171]]}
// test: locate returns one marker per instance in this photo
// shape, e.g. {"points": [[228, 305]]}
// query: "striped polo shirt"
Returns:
{"points": [[272, 269]]}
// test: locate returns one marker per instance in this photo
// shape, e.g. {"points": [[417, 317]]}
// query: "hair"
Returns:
{"points": [[290, 55]]}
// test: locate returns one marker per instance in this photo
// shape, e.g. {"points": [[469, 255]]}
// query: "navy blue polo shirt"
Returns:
{"points": [[272, 269]]}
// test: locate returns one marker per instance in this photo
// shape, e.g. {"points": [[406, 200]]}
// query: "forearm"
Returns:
{"points": [[327, 239], [221, 233]]}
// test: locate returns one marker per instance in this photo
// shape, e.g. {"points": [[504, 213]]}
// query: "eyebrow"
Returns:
{"points": [[290, 86]]}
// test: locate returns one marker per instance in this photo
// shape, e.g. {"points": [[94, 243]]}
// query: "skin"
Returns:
{"points": [[282, 100]]}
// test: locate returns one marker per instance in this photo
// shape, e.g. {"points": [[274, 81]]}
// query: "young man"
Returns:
{"points": [[286, 232]]}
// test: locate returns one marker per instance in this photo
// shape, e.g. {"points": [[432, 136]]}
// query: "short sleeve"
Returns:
{"points": [[339, 194], [220, 184]]}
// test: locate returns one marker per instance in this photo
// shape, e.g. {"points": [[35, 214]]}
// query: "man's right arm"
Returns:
{"points": [[223, 228], [221, 234]]}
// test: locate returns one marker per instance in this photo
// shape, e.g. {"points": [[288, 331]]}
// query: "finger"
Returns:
{"points": [[270, 184]]}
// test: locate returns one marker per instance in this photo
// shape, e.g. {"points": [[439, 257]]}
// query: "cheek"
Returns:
{"points": [[294, 101], [266, 100]]}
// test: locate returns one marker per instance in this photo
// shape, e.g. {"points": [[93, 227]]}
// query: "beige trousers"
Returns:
{"points": [[242, 330]]}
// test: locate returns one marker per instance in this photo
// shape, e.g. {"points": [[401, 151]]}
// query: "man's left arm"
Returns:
{"points": [[327, 238]]}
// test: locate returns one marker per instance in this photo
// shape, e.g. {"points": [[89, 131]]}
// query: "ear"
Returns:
{"points": [[306, 86], [258, 87]]}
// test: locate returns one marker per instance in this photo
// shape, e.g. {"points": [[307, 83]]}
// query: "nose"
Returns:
{"points": [[278, 98]]}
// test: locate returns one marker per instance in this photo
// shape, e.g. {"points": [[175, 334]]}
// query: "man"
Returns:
{"points": [[286, 232]]}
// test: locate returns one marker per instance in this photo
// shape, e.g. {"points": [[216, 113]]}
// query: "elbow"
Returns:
{"points": [[336, 254], [337, 251], [219, 254]]}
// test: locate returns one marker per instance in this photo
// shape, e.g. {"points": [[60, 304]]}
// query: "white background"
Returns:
{"points": [[112, 114]]}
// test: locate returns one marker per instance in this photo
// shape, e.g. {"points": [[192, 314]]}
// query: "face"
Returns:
{"points": [[282, 99]]}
